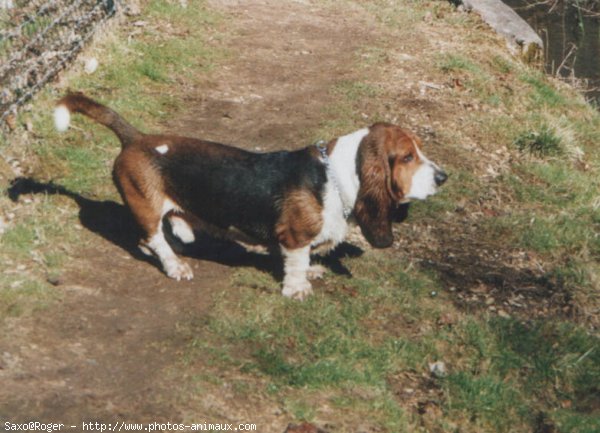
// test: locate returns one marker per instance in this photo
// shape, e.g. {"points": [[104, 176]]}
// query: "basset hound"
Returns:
{"points": [[297, 201]]}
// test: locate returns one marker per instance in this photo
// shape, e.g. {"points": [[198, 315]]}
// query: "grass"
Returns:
{"points": [[453, 63], [488, 402], [505, 374], [81, 160], [540, 143], [31, 256], [522, 366], [557, 214], [155, 60], [543, 93], [23, 296], [357, 354], [329, 344], [501, 371]]}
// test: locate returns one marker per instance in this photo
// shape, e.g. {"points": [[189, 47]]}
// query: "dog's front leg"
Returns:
{"points": [[296, 263]]}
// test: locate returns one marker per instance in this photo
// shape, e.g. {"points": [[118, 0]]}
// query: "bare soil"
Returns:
{"points": [[112, 348]]}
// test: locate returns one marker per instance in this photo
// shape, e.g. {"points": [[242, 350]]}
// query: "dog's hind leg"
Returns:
{"points": [[157, 244], [181, 228], [172, 265], [148, 207]]}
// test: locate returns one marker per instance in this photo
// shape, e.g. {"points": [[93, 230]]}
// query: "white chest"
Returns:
{"points": [[335, 225], [341, 189]]}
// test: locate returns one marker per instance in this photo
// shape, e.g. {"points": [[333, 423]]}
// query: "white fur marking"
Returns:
{"points": [[172, 265], [145, 250], [296, 264], [424, 158], [62, 118], [182, 229], [423, 182], [162, 149], [168, 206], [342, 165]]}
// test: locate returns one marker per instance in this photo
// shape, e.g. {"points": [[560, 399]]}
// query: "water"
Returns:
{"points": [[571, 39]]}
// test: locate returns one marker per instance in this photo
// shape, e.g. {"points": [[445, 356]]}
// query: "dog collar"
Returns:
{"points": [[321, 145]]}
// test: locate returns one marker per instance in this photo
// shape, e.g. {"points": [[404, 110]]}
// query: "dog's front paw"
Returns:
{"points": [[299, 290], [178, 270], [316, 272]]}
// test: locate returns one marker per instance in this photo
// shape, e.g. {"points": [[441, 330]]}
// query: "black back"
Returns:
{"points": [[236, 187]]}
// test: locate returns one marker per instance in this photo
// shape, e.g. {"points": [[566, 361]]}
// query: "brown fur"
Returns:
{"points": [[385, 178], [399, 145], [79, 103], [387, 160], [138, 182], [141, 188], [300, 221]]}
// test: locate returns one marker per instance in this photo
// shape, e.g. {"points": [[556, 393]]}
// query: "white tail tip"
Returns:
{"points": [[62, 118]]}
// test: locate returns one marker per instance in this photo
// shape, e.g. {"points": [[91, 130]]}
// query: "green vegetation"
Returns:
{"points": [[356, 334], [543, 94], [523, 199], [541, 143], [81, 161], [452, 62], [155, 60]]}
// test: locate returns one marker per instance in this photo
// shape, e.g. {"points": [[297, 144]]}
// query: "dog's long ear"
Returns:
{"points": [[373, 208]]}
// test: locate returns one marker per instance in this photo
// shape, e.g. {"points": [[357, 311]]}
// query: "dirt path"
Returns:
{"points": [[111, 349], [284, 58]]}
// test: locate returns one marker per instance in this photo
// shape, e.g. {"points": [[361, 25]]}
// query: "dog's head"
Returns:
{"points": [[392, 170]]}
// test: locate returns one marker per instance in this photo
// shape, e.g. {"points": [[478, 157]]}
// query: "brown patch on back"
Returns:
{"points": [[300, 221]]}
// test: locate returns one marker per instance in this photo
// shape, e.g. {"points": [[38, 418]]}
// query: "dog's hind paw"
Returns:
{"points": [[178, 270]]}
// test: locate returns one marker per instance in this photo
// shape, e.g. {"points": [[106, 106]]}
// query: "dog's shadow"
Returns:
{"points": [[114, 222]]}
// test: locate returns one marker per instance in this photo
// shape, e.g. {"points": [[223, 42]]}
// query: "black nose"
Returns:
{"points": [[440, 177]]}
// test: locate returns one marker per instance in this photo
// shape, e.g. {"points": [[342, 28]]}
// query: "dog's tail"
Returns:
{"points": [[79, 103]]}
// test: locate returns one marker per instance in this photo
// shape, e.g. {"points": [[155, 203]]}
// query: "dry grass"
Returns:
{"points": [[497, 276]]}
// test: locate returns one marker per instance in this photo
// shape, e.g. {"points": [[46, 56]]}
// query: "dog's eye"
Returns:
{"points": [[408, 158]]}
